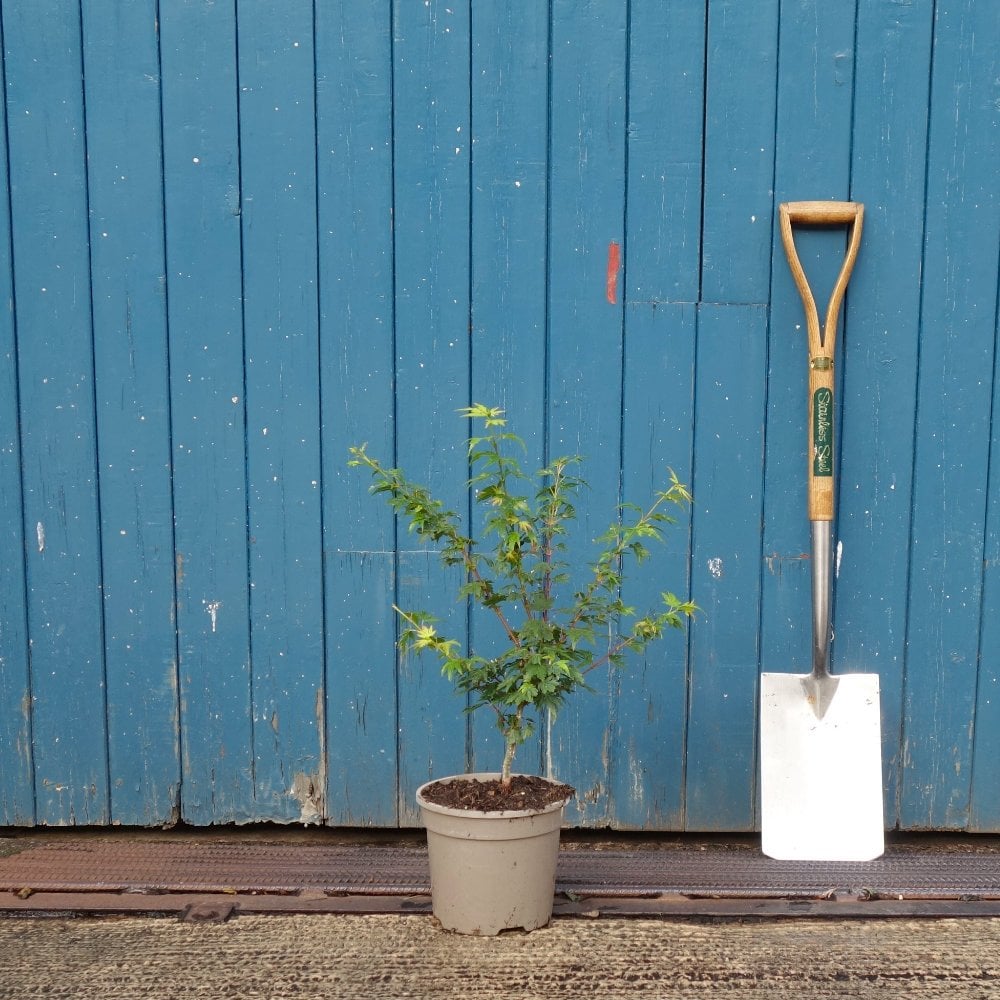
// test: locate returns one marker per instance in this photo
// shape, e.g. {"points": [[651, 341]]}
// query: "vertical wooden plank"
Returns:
{"points": [[587, 150], [985, 808], [725, 577], [17, 799], [958, 315], [277, 148], [649, 729], [739, 150], [666, 107], [892, 78], [121, 59], [663, 261], [509, 197], [354, 157], [202, 193], [729, 417], [431, 218], [52, 289]]}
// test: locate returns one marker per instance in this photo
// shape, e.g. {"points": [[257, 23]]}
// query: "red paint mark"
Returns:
{"points": [[614, 263]]}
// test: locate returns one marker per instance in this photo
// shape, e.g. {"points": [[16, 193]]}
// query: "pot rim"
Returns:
{"points": [[494, 813]]}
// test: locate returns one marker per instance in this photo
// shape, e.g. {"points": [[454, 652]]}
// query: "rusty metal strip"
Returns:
{"points": [[214, 907], [743, 908], [202, 906]]}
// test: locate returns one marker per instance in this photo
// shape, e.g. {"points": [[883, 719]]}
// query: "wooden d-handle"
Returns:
{"points": [[821, 344], [820, 213]]}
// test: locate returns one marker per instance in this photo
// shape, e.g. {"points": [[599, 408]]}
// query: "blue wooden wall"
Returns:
{"points": [[238, 237]]}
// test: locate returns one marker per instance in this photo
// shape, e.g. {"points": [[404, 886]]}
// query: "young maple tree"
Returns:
{"points": [[552, 638]]}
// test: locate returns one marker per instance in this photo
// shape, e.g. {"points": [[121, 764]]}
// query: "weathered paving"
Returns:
{"points": [[390, 956]]}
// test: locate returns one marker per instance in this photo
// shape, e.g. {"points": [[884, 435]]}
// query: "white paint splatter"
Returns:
{"points": [[212, 607], [715, 568], [40, 532], [840, 553]]}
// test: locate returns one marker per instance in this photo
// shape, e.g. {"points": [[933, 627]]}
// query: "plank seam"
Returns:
{"points": [[247, 484], [469, 295], [617, 278], [905, 651], [169, 403], [15, 361], [991, 467], [755, 797], [704, 162], [544, 730], [99, 507], [394, 411], [323, 701]]}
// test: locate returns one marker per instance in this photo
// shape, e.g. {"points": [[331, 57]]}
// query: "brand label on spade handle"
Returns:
{"points": [[822, 432]]}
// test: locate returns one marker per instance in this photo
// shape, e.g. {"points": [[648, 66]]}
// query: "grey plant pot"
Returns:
{"points": [[491, 871]]}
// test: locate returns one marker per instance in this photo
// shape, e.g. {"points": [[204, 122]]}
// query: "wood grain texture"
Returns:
{"points": [[740, 137], [431, 217], [589, 45], [205, 289], [985, 804], [281, 331], [878, 389], [725, 575], [356, 282], [665, 151], [649, 728], [663, 249], [510, 195], [957, 345], [121, 72], [17, 791], [51, 236]]}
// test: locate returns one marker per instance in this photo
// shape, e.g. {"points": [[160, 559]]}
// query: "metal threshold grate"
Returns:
{"points": [[194, 865]]}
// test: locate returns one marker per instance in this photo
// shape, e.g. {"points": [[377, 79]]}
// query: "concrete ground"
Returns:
{"points": [[313, 956]]}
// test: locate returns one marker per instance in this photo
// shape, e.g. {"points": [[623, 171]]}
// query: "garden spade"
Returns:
{"points": [[820, 735]]}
